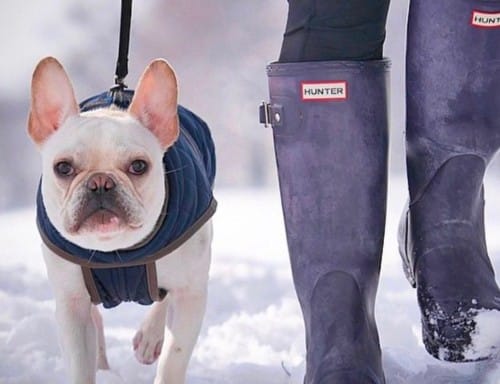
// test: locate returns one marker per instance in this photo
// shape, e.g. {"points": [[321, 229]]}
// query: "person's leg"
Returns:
{"points": [[324, 30], [452, 132], [330, 128]]}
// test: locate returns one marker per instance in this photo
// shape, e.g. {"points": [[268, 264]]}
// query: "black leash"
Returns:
{"points": [[122, 63]]}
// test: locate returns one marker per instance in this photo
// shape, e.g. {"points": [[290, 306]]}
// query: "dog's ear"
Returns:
{"points": [[52, 100], [155, 102]]}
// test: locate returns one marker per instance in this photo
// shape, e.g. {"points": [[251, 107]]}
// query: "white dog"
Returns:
{"points": [[106, 195]]}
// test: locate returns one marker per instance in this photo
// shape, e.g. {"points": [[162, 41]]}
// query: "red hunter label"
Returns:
{"points": [[481, 19], [324, 90]]}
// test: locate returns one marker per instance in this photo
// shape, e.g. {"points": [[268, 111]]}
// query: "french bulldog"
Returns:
{"points": [[104, 188]]}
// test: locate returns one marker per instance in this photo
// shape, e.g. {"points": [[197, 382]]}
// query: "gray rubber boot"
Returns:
{"points": [[331, 135], [453, 131]]}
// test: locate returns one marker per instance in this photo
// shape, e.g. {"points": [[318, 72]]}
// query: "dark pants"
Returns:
{"points": [[334, 30]]}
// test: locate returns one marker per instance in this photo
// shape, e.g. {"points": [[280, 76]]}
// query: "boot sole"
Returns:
{"points": [[351, 377]]}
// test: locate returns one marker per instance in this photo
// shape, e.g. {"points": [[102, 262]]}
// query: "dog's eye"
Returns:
{"points": [[64, 169], [138, 167]]}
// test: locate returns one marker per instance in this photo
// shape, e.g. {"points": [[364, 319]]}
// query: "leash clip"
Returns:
{"points": [[119, 84]]}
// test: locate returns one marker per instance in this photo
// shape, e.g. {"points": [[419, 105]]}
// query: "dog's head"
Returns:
{"points": [[103, 183]]}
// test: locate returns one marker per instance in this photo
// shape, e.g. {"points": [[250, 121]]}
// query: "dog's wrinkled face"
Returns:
{"points": [[103, 181]]}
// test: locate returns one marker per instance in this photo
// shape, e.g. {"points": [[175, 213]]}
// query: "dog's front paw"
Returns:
{"points": [[147, 346], [148, 340]]}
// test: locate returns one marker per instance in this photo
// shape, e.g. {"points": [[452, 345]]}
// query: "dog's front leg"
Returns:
{"points": [[102, 359], [185, 315], [78, 337], [77, 331]]}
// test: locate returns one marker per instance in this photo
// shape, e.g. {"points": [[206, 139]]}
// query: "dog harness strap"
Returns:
{"points": [[91, 286], [156, 294]]}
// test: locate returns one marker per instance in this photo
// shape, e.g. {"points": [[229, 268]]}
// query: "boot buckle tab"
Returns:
{"points": [[270, 114]]}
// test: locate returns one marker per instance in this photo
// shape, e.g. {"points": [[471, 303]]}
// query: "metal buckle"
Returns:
{"points": [[264, 114], [270, 115]]}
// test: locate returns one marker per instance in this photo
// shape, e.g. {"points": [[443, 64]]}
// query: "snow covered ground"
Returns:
{"points": [[252, 331]]}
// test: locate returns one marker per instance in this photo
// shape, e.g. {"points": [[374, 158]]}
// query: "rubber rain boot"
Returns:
{"points": [[452, 133], [330, 130]]}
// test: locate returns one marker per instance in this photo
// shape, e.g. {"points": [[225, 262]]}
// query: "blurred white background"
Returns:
{"points": [[219, 49]]}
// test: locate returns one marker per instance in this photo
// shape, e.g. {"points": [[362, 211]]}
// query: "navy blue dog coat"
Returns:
{"points": [[130, 274]]}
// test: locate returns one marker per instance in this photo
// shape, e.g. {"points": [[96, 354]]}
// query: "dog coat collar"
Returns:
{"points": [[130, 274]]}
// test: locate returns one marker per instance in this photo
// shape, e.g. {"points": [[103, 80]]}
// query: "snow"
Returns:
{"points": [[487, 333], [253, 331]]}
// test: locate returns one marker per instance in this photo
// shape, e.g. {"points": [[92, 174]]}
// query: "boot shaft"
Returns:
{"points": [[453, 82], [331, 149]]}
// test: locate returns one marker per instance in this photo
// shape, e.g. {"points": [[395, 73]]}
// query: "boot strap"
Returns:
{"points": [[271, 114]]}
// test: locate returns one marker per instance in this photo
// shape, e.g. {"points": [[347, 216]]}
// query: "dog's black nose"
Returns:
{"points": [[100, 183]]}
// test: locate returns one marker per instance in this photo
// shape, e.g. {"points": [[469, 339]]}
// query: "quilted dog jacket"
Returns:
{"points": [[130, 274]]}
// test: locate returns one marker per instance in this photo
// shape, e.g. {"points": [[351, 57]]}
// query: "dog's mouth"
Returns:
{"points": [[102, 218], [102, 221]]}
